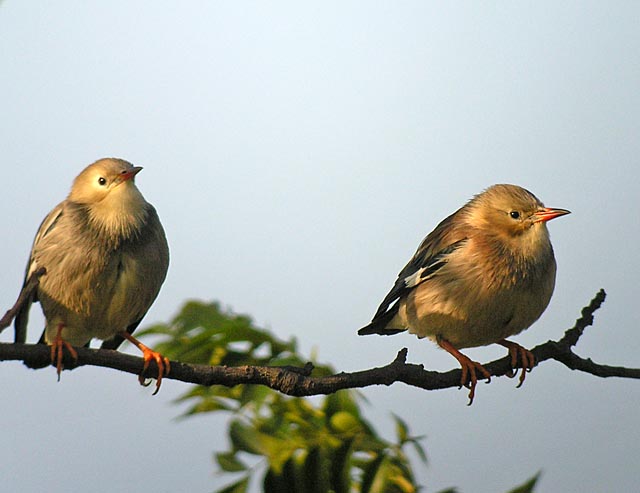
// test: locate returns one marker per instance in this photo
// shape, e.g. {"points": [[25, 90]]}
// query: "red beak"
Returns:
{"points": [[128, 175], [548, 213]]}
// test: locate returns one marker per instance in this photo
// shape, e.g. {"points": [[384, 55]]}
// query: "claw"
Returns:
{"points": [[164, 367], [469, 377], [527, 360], [57, 350]]}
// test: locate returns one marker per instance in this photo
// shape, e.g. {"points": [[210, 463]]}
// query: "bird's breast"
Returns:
{"points": [[477, 300]]}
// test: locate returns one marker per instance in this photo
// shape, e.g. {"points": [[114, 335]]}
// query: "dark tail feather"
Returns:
{"points": [[379, 324], [22, 317], [20, 323], [115, 341]]}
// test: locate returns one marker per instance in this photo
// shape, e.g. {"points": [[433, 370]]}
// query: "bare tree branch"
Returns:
{"points": [[299, 382]]}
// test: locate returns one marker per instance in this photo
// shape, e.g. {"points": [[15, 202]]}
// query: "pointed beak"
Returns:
{"points": [[130, 174], [548, 213]]}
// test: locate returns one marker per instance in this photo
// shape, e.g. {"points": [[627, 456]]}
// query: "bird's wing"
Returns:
{"points": [[432, 254], [48, 224], [22, 317]]}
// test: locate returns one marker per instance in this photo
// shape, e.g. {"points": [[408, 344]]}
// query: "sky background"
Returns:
{"points": [[297, 153]]}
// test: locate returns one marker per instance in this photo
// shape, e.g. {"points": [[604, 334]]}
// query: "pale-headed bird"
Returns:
{"points": [[485, 273], [106, 257]]}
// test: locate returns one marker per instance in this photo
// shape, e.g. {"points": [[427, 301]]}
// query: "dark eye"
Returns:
{"points": [[102, 181], [514, 214]]}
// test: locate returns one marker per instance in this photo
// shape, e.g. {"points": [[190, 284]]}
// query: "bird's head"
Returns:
{"points": [[107, 189], [512, 214], [109, 177]]}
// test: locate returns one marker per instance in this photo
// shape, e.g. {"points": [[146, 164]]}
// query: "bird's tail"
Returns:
{"points": [[21, 321], [379, 325]]}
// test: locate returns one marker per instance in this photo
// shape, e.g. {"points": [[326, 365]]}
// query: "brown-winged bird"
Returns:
{"points": [[485, 273], [106, 257]]}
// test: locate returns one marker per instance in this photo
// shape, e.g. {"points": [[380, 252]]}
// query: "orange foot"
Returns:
{"points": [[527, 360], [57, 350], [164, 367], [469, 377]]}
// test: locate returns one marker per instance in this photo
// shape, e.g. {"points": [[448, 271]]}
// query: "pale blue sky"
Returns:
{"points": [[297, 153]]}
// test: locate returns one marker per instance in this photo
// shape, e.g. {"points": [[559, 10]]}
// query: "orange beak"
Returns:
{"points": [[129, 175], [548, 213]]}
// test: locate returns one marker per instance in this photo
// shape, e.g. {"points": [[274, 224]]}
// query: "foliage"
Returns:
{"points": [[527, 486], [307, 445]]}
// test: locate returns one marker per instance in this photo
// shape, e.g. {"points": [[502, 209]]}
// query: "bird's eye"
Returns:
{"points": [[102, 181], [514, 214]]}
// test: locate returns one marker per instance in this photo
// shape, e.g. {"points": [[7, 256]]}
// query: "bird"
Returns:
{"points": [[105, 257], [485, 273]]}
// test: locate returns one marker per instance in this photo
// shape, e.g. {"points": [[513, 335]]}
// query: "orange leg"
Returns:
{"points": [[57, 350], [527, 360], [469, 378], [148, 354]]}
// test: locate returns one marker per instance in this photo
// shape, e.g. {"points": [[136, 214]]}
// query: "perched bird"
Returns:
{"points": [[485, 273], [106, 256]]}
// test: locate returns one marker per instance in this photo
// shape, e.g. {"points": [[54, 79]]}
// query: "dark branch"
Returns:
{"points": [[299, 382]]}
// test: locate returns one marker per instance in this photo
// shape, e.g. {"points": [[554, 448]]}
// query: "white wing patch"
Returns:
{"points": [[48, 223], [415, 278], [425, 273], [435, 263]]}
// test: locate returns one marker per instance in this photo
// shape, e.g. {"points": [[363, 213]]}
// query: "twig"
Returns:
{"points": [[299, 382]]}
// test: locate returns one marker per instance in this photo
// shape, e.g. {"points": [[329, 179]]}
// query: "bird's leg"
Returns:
{"points": [[57, 349], [149, 354], [527, 360], [469, 378]]}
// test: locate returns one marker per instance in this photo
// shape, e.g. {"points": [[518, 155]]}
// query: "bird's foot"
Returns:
{"points": [[517, 352], [470, 368], [57, 350], [469, 377], [164, 367]]}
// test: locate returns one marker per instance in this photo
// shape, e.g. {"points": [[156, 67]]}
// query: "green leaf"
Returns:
{"points": [[208, 406], [402, 430], [403, 437], [316, 471], [340, 477], [343, 400], [370, 478], [245, 438], [289, 479], [229, 462], [345, 422], [237, 487], [417, 446], [248, 439], [275, 483], [254, 394], [528, 486]]}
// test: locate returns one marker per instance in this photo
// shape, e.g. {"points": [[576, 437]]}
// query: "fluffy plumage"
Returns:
{"points": [[106, 257], [485, 273]]}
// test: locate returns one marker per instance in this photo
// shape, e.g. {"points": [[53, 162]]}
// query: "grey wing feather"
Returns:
{"points": [[22, 317], [431, 256]]}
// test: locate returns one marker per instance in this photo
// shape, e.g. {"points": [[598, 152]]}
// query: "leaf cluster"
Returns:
{"points": [[306, 445]]}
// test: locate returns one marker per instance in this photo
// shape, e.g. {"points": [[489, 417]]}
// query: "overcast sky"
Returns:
{"points": [[297, 153]]}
